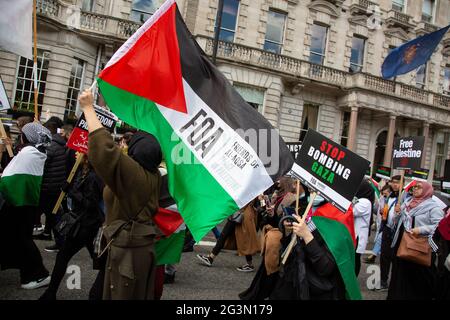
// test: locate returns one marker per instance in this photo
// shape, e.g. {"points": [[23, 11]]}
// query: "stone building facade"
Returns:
{"points": [[301, 63]]}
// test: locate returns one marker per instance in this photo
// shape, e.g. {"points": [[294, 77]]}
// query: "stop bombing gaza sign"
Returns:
{"points": [[407, 152], [329, 169]]}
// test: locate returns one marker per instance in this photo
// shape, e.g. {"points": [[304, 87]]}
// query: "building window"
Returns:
{"points": [[357, 58], [75, 85], [318, 44], [399, 5], [345, 128], [428, 10], [87, 5], [275, 32], [440, 155], [253, 96], [421, 76], [447, 80], [141, 10], [24, 95], [309, 119], [229, 20]]}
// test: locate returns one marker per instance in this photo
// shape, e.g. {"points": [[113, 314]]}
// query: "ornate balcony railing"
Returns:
{"points": [[48, 7], [99, 24], [309, 71], [93, 22]]}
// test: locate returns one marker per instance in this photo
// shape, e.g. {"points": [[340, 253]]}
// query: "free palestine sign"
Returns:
{"points": [[407, 152], [330, 169]]}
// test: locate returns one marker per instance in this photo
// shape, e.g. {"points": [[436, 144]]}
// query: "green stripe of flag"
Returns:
{"points": [[340, 244], [21, 189], [168, 250]]}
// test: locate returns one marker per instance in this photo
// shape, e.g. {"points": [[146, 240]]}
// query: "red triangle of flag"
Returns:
{"points": [[151, 68]]}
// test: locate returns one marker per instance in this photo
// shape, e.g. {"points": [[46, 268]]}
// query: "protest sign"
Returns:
{"points": [[419, 175], [330, 169], [294, 148], [78, 140], [407, 152]]}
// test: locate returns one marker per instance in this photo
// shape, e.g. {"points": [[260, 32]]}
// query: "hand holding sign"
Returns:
{"points": [[301, 229], [332, 170]]}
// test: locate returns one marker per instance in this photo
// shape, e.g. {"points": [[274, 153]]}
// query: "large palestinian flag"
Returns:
{"points": [[338, 231], [162, 82]]}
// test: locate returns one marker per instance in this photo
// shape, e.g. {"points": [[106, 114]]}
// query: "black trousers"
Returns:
{"points": [[357, 263], [46, 205], [227, 231], [70, 247], [386, 254], [31, 265], [17, 248]]}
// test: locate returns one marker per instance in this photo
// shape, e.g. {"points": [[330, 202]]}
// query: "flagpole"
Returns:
{"points": [[217, 31], [36, 111]]}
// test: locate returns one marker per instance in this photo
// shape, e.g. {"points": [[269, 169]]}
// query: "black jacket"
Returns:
{"points": [[86, 193], [55, 169], [310, 273]]}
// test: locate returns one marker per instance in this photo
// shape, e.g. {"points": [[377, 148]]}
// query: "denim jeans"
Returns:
{"points": [[377, 245]]}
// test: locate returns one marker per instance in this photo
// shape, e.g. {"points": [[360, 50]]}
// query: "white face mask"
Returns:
{"points": [[318, 200], [302, 195]]}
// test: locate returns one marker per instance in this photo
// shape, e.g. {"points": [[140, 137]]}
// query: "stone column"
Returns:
{"points": [[425, 133], [389, 141], [351, 144]]}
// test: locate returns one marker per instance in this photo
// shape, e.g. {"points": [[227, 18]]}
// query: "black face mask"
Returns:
{"points": [[145, 150]]}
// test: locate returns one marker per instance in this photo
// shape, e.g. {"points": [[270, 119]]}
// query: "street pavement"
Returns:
{"points": [[193, 281]]}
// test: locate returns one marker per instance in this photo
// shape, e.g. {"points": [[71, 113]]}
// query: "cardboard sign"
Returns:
{"points": [[419, 175], [294, 148], [4, 102], [78, 140], [407, 152], [383, 173], [330, 169]]}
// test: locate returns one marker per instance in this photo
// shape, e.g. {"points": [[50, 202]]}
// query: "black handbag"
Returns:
{"points": [[69, 225]]}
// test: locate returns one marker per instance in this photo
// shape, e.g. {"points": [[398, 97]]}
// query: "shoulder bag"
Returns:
{"points": [[415, 249]]}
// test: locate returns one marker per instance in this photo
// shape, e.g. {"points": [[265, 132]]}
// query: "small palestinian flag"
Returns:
{"points": [[220, 152], [375, 188], [338, 231], [22, 178], [168, 249]]}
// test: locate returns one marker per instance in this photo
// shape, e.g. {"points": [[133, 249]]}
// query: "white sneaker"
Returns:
{"points": [[37, 284], [38, 230]]}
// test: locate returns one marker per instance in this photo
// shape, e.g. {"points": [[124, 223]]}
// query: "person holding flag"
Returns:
{"points": [[131, 199], [20, 186], [321, 266]]}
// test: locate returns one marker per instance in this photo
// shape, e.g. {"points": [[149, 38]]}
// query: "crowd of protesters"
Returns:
{"points": [[120, 186]]}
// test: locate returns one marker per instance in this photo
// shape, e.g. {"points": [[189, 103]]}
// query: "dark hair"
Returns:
{"points": [[59, 123], [386, 187], [52, 126], [127, 137], [397, 178], [286, 185], [21, 121]]}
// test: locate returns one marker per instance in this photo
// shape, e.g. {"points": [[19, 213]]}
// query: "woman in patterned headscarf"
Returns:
{"points": [[420, 216], [20, 187]]}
